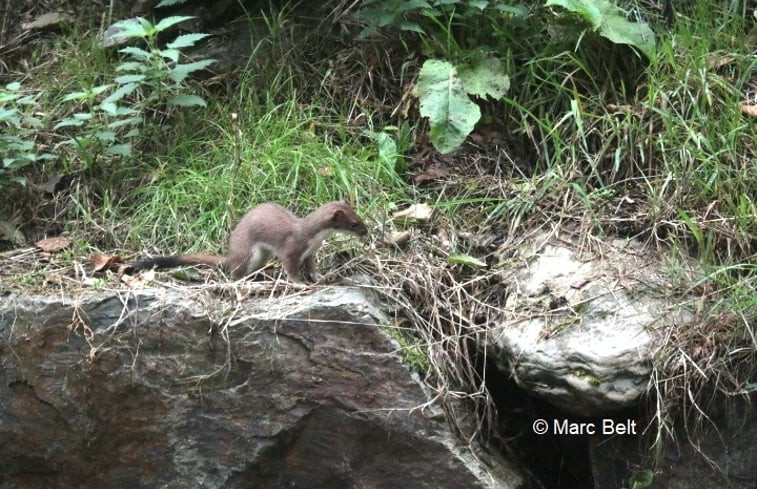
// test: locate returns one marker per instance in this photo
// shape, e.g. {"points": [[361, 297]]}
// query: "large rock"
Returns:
{"points": [[582, 330], [167, 389]]}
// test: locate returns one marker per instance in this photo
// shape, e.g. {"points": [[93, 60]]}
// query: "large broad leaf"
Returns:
{"points": [[186, 40], [485, 78], [181, 71], [119, 150], [169, 3], [610, 22], [167, 22], [135, 27], [188, 101], [451, 113]]}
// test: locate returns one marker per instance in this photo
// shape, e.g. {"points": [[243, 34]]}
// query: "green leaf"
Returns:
{"points": [[172, 20], [32, 122], [121, 92], [387, 146], [642, 479], [130, 66], [100, 89], [8, 114], [21, 146], [588, 9], [411, 27], [13, 86], [172, 54], [187, 101], [121, 80], [169, 3], [76, 96], [181, 71], [452, 115], [485, 78], [128, 28], [119, 150], [108, 136], [465, 259], [15, 162], [479, 4], [26, 100], [7, 97], [186, 274], [186, 40], [517, 10], [109, 107], [610, 22], [132, 121], [115, 110], [136, 52]]}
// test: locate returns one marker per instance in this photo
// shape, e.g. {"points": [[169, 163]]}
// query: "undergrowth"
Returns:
{"points": [[195, 171], [597, 137], [285, 154], [590, 134]]}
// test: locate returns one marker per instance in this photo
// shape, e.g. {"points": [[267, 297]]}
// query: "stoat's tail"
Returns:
{"points": [[174, 261]]}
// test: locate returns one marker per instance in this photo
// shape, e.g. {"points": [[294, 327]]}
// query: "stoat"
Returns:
{"points": [[272, 229]]}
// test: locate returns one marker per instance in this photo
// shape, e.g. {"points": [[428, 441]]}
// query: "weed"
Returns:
{"points": [[19, 125]]}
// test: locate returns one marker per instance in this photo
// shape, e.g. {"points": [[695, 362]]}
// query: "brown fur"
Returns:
{"points": [[271, 229]]}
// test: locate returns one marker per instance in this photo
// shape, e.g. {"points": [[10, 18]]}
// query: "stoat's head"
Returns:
{"points": [[342, 218]]}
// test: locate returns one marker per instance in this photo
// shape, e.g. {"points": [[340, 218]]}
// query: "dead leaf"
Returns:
{"points": [[485, 136], [444, 240], [9, 232], [52, 245], [46, 21], [417, 212], [477, 138], [579, 283], [751, 39], [53, 278], [629, 109], [398, 238], [749, 109], [715, 61], [431, 173], [409, 97], [135, 281], [325, 170], [101, 262], [621, 108]]}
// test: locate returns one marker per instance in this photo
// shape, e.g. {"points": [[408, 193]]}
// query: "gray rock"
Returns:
{"points": [[582, 330], [173, 389]]}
